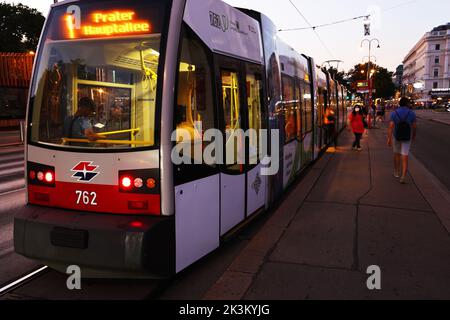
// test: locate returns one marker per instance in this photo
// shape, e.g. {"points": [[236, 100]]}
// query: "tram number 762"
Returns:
{"points": [[87, 198]]}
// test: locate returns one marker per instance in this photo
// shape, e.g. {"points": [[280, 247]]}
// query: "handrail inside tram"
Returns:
{"points": [[132, 131], [120, 142]]}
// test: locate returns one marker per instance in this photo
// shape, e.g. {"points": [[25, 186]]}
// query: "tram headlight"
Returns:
{"points": [[49, 177], [126, 182], [138, 183], [41, 175]]}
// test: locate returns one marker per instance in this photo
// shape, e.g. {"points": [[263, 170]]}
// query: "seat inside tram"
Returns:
{"points": [[118, 75]]}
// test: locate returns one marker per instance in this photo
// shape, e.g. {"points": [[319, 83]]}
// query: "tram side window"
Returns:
{"points": [[302, 98], [231, 111], [255, 98], [308, 108], [194, 113], [321, 104], [298, 109], [289, 108]]}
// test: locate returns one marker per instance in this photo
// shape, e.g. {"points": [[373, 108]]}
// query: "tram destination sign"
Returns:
{"points": [[113, 23], [95, 19]]}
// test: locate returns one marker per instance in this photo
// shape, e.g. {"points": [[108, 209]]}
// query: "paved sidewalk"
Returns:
{"points": [[347, 214], [441, 117]]}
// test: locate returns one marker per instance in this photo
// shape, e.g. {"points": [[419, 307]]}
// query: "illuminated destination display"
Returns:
{"points": [[108, 23]]}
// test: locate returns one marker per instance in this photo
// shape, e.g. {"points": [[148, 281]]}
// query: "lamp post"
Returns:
{"points": [[369, 96], [369, 59], [329, 62]]}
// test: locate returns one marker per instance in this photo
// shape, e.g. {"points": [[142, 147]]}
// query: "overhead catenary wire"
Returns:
{"points": [[399, 5], [327, 24], [311, 26], [367, 16]]}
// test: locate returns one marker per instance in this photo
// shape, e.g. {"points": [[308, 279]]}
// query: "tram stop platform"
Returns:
{"points": [[346, 214]]}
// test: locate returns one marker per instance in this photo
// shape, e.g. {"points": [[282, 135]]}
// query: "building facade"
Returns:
{"points": [[398, 76], [426, 67], [15, 75]]}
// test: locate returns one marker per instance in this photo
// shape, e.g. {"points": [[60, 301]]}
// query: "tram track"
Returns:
{"points": [[22, 280], [12, 166]]}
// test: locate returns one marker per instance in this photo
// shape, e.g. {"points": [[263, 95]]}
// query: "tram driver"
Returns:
{"points": [[79, 125]]}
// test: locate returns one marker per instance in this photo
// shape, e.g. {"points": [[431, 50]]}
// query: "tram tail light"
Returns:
{"points": [[140, 182], [41, 175]]}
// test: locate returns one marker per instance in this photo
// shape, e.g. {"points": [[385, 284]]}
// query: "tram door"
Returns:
{"points": [[243, 189], [232, 177]]}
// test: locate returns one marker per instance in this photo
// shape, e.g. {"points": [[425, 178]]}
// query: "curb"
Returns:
{"points": [[434, 192], [441, 122], [434, 120]]}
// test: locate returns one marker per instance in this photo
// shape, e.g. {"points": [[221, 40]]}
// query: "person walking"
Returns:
{"points": [[402, 132], [330, 126], [357, 126]]}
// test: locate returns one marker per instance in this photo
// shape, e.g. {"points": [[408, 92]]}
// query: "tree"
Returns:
{"points": [[341, 77], [384, 86], [381, 80], [20, 28]]}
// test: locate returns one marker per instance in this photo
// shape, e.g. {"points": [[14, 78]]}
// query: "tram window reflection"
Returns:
{"points": [[255, 105], [308, 108], [290, 105], [232, 117], [194, 112]]}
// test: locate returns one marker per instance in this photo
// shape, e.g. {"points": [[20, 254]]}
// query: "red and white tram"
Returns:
{"points": [[113, 80]]}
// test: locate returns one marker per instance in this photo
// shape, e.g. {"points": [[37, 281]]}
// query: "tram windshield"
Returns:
{"points": [[97, 76]]}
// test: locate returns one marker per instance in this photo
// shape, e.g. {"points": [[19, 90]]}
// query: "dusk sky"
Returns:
{"points": [[398, 24]]}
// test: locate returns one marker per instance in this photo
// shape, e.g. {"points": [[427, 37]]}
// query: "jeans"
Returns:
{"points": [[331, 134], [357, 143]]}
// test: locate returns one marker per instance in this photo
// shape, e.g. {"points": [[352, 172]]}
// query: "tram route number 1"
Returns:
{"points": [[87, 198]]}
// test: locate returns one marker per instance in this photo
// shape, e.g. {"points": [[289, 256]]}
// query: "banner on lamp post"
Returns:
{"points": [[367, 29]]}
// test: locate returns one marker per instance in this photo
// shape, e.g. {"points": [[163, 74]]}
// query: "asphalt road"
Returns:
{"points": [[432, 148], [12, 197]]}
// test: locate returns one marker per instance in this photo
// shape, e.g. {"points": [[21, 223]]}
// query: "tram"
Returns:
{"points": [[113, 83]]}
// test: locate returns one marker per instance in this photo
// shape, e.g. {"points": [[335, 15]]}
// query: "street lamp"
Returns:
{"points": [[369, 98], [329, 62]]}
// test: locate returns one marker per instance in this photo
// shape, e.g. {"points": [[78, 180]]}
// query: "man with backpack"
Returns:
{"points": [[402, 131]]}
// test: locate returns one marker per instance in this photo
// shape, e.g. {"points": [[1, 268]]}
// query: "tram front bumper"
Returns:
{"points": [[102, 244]]}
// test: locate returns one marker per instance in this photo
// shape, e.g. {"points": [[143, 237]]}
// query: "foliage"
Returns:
{"points": [[20, 28], [381, 79]]}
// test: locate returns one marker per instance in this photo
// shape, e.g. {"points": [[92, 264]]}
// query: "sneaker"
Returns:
{"points": [[396, 175], [359, 149], [403, 180]]}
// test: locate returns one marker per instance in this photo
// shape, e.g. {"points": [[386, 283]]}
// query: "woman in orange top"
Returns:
{"points": [[357, 126]]}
